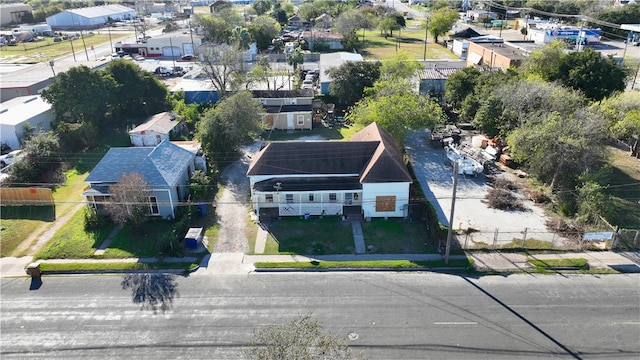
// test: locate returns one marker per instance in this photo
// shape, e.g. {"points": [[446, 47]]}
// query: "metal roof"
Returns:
{"points": [[101, 11], [20, 109]]}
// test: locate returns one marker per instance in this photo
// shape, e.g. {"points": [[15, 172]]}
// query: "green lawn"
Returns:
{"points": [[624, 188], [575, 262], [154, 240], [115, 266], [376, 264], [329, 235], [73, 242], [18, 222], [396, 236]]}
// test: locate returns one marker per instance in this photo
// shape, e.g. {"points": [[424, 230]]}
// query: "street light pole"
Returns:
{"points": [[51, 64]]}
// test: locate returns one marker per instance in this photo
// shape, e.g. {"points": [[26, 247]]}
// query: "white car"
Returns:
{"points": [[9, 158], [307, 84]]}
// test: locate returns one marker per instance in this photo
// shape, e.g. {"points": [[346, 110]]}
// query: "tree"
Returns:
{"points": [[220, 66], [588, 71], [224, 127], [240, 38], [137, 92], [218, 28], [261, 6], [263, 30], [397, 111], [39, 161], [399, 67], [347, 24], [545, 62], [557, 149], [351, 78], [461, 84], [622, 113], [441, 21], [80, 95], [129, 200], [295, 58], [301, 339]]}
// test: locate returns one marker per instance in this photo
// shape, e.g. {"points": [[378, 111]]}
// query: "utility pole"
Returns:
{"points": [[426, 32], [578, 41], [453, 207], [173, 58], [84, 45]]}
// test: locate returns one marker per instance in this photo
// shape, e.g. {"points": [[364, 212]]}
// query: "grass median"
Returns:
{"points": [[377, 264], [559, 263], [115, 266]]}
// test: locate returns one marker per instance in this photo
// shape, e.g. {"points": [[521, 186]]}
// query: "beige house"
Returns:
{"points": [[494, 54], [286, 109], [155, 129]]}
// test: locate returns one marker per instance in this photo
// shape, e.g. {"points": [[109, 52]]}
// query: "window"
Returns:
{"points": [[311, 198], [300, 120], [333, 197], [348, 198], [268, 198], [356, 196], [153, 205], [289, 198]]}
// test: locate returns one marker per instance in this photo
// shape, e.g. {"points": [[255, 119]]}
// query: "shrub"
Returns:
{"points": [[538, 197], [93, 220]]}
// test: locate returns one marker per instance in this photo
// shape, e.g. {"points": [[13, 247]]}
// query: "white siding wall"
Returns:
{"points": [[148, 139], [371, 191]]}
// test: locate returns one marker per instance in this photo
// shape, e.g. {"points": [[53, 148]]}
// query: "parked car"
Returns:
{"points": [[307, 84], [178, 70], [9, 158], [188, 57], [139, 58], [164, 71]]}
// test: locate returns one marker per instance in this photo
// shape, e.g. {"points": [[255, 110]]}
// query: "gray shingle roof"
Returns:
{"points": [[161, 123], [159, 166]]}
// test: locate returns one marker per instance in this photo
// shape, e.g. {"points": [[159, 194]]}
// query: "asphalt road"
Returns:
{"points": [[388, 315]]}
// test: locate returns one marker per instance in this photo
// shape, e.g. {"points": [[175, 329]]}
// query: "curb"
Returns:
{"points": [[292, 270]]}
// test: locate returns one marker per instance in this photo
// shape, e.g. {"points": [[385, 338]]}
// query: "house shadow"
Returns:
{"points": [[153, 292]]}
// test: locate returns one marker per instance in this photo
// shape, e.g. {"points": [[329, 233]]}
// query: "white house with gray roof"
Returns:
{"points": [[365, 177], [166, 168]]}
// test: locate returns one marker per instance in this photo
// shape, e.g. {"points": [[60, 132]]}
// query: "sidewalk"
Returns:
{"points": [[238, 263]]}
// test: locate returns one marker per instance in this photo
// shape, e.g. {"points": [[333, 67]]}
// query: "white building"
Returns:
{"points": [[30, 111], [90, 17]]}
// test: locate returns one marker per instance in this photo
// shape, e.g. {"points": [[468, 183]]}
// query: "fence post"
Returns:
{"points": [[614, 242], [466, 239], [495, 239], [524, 237]]}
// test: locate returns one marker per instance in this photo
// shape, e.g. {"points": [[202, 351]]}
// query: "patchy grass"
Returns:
{"points": [[18, 222], [624, 189], [378, 264], [558, 263], [336, 133], [396, 236], [73, 242], [115, 266], [410, 42], [39, 51], [529, 244], [329, 235]]}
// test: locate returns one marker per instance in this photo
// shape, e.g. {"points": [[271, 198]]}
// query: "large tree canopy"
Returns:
{"points": [[441, 21], [396, 110], [263, 29], [351, 78], [80, 95], [224, 127]]}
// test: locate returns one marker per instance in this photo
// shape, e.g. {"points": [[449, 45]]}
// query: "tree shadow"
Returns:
{"points": [[152, 291], [31, 212]]}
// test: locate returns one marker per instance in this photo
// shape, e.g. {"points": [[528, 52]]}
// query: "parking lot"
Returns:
{"points": [[435, 175]]}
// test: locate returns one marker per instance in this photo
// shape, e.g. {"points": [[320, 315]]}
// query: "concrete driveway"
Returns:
{"points": [[435, 175]]}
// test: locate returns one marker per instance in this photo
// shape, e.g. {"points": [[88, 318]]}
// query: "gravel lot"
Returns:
{"points": [[435, 176], [232, 204]]}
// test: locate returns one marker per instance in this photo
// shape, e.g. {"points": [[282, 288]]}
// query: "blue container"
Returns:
{"points": [[202, 209]]}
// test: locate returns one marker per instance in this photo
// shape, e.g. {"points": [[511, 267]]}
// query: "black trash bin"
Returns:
{"points": [[34, 270]]}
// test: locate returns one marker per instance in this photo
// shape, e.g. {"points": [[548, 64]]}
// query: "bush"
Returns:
{"points": [[539, 197], [93, 220]]}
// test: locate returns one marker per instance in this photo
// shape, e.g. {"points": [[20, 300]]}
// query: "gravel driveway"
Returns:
{"points": [[436, 178], [232, 203]]}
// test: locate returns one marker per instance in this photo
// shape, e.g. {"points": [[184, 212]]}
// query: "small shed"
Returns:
{"points": [[156, 129], [193, 238]]}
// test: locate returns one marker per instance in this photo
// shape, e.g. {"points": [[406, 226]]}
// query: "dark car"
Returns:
{"points": [[187, 57]]}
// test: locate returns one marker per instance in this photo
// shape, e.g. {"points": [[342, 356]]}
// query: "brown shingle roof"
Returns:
{"points": [[372, 154]]}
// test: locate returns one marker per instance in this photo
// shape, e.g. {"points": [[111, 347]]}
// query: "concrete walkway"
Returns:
{"points": [[358, 237], [105, 244]]}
